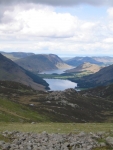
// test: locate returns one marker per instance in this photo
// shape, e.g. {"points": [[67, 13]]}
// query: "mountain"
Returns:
{"points": [[105, 59], [12, 72], [85, 67], [76, 61], [42, 62], [16, 55], [11, 110], [102, 77], [101, 91], [20, 103]]}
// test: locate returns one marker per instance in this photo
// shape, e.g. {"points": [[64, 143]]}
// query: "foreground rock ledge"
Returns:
{"points": [[45, 141]]}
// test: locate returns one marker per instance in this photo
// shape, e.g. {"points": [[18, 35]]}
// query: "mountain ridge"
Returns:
{"points": [[16, 55], [12, 72], [42, 62], [101, 61], [76, 61]]}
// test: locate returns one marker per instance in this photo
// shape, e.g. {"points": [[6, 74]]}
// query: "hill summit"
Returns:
{"points": [[42, 62], [86, 66]]}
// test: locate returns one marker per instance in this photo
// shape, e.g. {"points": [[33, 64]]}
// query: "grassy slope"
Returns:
{"points": [[41, 62], [10, 108], [14, 112]]}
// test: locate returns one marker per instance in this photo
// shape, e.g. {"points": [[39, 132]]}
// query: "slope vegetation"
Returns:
{"points": [[21, 103], [16, 55], [101, 91], [85, 67], [12, 72], [102, 77], [41, 62], [11, 110]]}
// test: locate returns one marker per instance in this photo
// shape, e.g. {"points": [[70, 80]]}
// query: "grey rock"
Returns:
{"points": [[109, 140], [45, 141]]}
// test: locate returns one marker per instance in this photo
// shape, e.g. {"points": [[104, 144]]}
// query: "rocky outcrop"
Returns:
{"points": [[45, 141], [61, 97]]}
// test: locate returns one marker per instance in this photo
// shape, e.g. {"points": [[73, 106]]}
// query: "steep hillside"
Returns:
{"points": [[20, 103], [42, 62], [85, 67], [16, 55], [76, 61], [102, 77], [106, 60], [12, 72], [10, 108], [101, 91]]}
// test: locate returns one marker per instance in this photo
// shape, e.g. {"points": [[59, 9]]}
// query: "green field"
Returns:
{"points": [[56, 127], [64, 75]]}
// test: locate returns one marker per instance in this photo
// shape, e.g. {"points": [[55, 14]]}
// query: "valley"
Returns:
{"points": [[56, 75], [55, 105]]}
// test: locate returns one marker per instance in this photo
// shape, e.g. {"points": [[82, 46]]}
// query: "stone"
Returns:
{"points": [[109, 141], [45, 141]]}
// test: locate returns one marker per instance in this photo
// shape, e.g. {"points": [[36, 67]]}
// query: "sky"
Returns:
{"points": [[62, 27]]}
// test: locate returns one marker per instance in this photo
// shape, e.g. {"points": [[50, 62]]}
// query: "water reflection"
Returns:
{"points": [[58, 84]]}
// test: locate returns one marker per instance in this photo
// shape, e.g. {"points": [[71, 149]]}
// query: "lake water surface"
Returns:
{"points": [[60, 85]]}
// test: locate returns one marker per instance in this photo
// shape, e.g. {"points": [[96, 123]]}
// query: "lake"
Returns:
{"points": [[60, 85]]}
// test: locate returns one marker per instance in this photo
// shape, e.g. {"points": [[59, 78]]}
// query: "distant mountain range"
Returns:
{"points": [[42, 62], [101, 61], [16, 55], [85, 67], [100, 78], [12, 72]]}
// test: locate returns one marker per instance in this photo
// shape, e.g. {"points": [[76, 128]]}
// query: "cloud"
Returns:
{"points": [[108, 40], [59, 2], [41, 22], [110, 12], [40, 29]]}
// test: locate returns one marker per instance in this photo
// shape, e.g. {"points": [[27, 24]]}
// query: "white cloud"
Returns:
{"points": [[38, 22], [110, 12], [110, 21], [39, 29], [108, 40]]}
